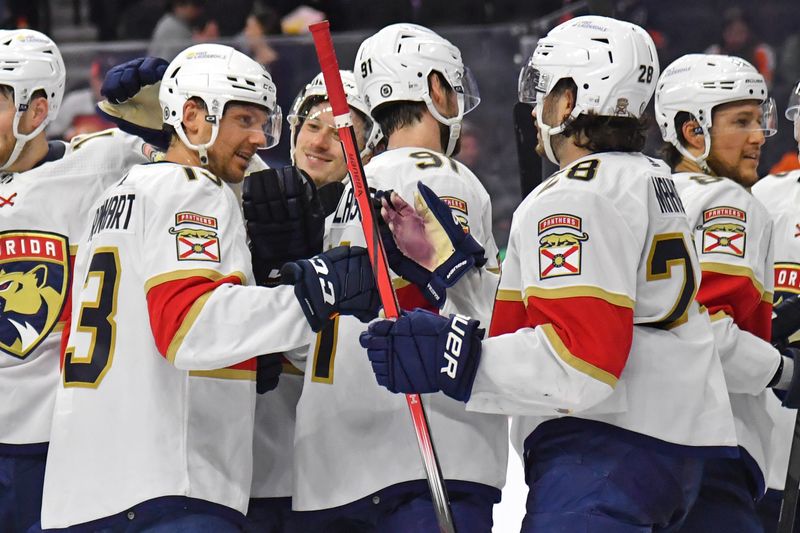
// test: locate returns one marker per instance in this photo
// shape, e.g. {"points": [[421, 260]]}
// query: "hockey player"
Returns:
{"points": [[315, 149], [46, 190], [781, 192], [714, 113], [595, 315], [159, 355], [357, 466]]}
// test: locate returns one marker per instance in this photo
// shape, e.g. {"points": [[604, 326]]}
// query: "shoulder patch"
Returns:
{"points": [[194, 244], [724, 211], [560, 252], [724, 237]]}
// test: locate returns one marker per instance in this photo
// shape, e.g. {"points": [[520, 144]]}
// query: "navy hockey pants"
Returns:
{"points": [[725, 502], [269, 515], [587, 481], [393, 511], [21, 482]]}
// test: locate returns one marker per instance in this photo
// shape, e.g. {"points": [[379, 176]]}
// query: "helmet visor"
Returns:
{"points": [[466, 85], [532, 84], [793, 107], [764, 118]]}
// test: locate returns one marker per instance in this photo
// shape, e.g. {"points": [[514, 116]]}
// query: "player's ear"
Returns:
{"points": [[693, 134], [194, 119], [566, 104], [36, 114]]}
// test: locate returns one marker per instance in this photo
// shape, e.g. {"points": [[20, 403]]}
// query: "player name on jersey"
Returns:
{"points": [[110, 214], [667, 195]]}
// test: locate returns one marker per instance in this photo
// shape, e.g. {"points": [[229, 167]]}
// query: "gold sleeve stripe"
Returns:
{"points": [[225, 373], [576, 362], [289, 368], [494, 270], [508, 295], [399, 283], [73, 249], [719, 315], [767, 297], [186, 325], [207, 273], [620, 300], [732, 270]]}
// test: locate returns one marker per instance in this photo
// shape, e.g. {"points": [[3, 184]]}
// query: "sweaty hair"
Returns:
{"points": [[668, 152], [598, 133], [395, 115]]}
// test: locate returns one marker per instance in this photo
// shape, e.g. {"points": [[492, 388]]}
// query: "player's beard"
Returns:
{"points": [[444, 137]]}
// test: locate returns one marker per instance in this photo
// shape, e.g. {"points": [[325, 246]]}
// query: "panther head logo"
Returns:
{"points": [[29, 306]]}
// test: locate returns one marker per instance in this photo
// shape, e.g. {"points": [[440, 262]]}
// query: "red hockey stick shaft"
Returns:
{"points": [[344, 124]]}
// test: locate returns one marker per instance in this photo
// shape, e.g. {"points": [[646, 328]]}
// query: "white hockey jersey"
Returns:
{"points": [[42, 214], [157, 393], [781, 194], [354, 437], [733, 240], [595, 315]]}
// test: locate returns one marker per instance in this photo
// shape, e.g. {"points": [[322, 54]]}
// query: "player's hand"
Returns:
{"points": [[268, 371], [422, 352], [786, 319], [788, 390], [131, 92], [285, 216], [426, 244], [338, 281]]}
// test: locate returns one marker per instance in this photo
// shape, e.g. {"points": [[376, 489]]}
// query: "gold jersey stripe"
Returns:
{"points": [[508, 295], [719, 315], [733, 270], [185, 326], [620, 300], [576, 362], [225, 373], [207, 273]]}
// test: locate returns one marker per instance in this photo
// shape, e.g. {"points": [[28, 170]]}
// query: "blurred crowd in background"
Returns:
{"points": [[495, 36]]}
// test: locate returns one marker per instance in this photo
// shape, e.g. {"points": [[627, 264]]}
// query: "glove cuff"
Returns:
{"points": [[460, 349]]}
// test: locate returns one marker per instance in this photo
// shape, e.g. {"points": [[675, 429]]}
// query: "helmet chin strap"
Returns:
{"points": [[453, 124], [21, 139], [547, 133], [201, 149], [700, 160]]}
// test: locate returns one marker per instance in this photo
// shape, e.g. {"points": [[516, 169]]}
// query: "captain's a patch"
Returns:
{"points": [[560, 251]]}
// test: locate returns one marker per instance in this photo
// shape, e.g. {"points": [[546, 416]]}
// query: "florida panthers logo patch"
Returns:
{"points": [[34, 275], [560, 251], [196, 244], [724, 237]]}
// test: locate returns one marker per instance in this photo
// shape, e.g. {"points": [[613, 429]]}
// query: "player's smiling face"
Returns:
{"points": [[318, 150], [241, 134], [736, 140]]}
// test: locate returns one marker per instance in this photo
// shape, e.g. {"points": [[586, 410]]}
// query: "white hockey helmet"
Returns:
{"points": [[217, 74], [696, 83], [394, 64], [30, 61], [316, 88], [613, 63], [793, 110]]}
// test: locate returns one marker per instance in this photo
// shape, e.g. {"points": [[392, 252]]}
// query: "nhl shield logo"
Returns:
{"points": [[34, 276], [560, 252]]}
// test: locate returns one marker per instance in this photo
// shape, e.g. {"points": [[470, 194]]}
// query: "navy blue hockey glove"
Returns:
{"points": [[422, 352], [338, 281], [268, 371], [786, 319], [285, 216], [131, 92], [427, 245], [790, 395]]}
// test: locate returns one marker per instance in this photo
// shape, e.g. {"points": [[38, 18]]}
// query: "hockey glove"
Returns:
{"points": [[786, 319], [338, 281], [422, 352], [427, 245], [285, 218], [131, 92], [268, 371]]}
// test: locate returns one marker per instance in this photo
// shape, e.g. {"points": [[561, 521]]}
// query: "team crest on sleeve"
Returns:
{"points": [[34, 272], [724, 231], [196, 238], [459, 209], [560, 243]]}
